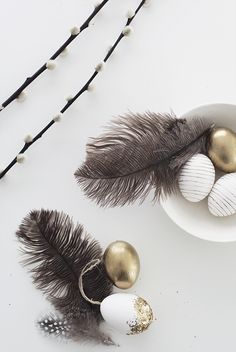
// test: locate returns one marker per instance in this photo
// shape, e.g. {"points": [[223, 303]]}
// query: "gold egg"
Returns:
{"points": [[222, 149], [122, 264]]}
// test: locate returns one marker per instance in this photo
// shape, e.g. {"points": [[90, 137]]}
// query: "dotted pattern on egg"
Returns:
{"points": [[197, 178], [222, 199]]}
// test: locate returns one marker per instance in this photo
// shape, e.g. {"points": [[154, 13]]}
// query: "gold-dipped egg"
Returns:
{"points": [[222, 149], [122, 264], [127, 313]]}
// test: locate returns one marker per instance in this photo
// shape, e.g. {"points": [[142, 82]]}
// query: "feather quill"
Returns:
{"points": [[56, 252], [138, 153]]}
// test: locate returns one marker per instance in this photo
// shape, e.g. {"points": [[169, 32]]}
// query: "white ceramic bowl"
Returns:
{"points": [[195, 218]]}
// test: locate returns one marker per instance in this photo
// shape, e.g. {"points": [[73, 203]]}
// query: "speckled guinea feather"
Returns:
{"points": [[139, 153], [79, 329], [56, 251]]}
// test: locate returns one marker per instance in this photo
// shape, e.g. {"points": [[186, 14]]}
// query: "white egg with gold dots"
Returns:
{"points": [[127, 313]]}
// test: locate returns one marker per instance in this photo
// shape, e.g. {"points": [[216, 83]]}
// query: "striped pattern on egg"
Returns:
{"points": [[222, 199], [197, 178]]}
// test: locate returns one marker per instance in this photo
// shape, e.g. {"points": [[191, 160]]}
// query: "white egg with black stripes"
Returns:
{"points": [[197, 178], [222, 199]]}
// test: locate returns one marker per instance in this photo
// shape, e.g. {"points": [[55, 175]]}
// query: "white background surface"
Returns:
{"points": [[182, 55]]}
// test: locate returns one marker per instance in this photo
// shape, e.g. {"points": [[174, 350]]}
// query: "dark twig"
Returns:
{"points": [[44, 67], [126, 31]]}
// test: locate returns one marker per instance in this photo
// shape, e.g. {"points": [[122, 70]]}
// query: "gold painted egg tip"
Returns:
{"points": [[144, 317]]}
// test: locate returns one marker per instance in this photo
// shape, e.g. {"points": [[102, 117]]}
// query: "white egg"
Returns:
{"points": [[197, 178], [127, 313], [222, 199]]}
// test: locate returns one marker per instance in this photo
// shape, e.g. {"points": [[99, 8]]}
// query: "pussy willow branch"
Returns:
{"points": [[71, 101], [43, 68]]}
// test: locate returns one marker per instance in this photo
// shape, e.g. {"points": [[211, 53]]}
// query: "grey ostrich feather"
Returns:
{"points": [[56, 251], [139, 153]]}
